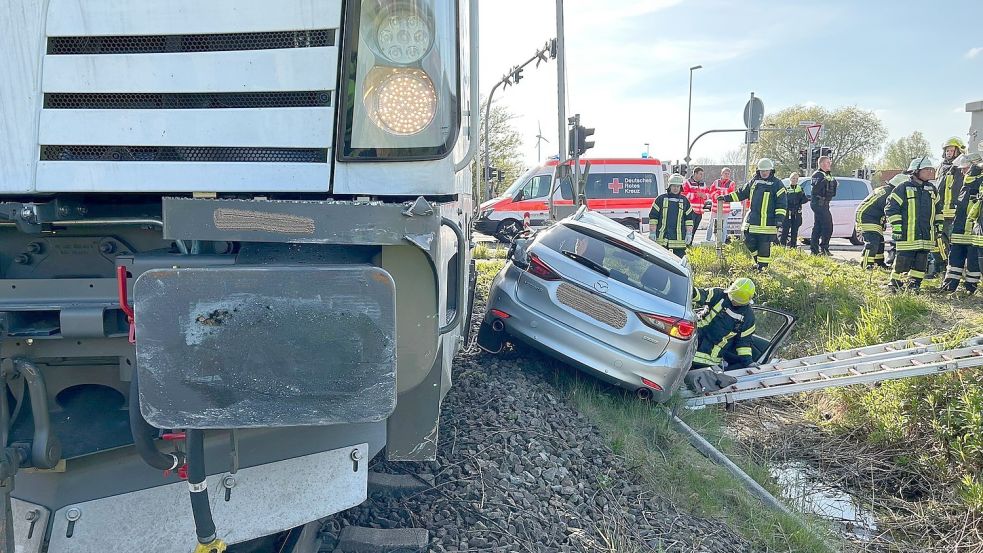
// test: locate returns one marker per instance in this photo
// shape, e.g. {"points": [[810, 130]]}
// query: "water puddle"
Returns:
{"points": [[804, 490]]}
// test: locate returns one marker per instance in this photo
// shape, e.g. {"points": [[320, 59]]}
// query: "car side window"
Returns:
{"points": [[537, 187], [851, 189]]}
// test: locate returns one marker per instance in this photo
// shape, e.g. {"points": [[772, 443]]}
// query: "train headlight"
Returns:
{"points": [[399, 98], [403, 102]]}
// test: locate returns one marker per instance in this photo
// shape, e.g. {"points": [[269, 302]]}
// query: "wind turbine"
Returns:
{"points": [[539, 141]]}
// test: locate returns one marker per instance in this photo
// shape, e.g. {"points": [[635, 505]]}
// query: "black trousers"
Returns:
{"points": [[822, 227], [696, 223], [964, 264], [873, 249], [911, 264], [790, 232], [760, 246]]}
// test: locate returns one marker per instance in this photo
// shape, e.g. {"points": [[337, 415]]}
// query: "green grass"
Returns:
{"points": [[483, 251], [841, 306]]}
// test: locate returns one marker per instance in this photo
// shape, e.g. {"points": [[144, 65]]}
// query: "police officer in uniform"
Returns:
{"points": [[725, 329], [767, 211], [964, 256], [871, 222], [823, 192], [915, 215], [672, 219], [949, 179]]}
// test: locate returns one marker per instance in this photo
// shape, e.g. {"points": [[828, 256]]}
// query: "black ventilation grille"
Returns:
{"points": [[183, 153], [316, 98], [161, 44]]}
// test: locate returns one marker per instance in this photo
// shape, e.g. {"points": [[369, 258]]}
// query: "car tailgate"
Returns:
{"points": [[576, 307]]}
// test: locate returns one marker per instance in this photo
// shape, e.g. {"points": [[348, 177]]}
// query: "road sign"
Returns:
{"points": [[813, 131], [754, 113], [806, 123]]}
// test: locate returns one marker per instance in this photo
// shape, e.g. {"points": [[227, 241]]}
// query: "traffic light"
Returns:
{"points": [[582, 143], [824, 151], [803, 159]]}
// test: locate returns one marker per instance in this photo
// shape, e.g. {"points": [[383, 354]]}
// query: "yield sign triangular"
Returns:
{"points": [[814, 131]]}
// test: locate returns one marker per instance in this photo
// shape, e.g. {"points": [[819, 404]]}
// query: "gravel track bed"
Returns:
{"points": [[518, 469]]}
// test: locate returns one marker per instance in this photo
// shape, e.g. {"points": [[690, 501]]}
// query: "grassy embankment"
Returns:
{"points": [[838, 306]]}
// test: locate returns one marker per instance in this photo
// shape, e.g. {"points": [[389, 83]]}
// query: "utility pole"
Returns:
{"points": [[747, 153], [689, 111], [561, 87]]}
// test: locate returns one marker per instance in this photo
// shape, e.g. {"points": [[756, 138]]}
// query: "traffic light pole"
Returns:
{"points": [[578, 194]]}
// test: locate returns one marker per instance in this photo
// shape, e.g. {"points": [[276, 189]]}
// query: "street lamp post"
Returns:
{"points": [[689, 111]]}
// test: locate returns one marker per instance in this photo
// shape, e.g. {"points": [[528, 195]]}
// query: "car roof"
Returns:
{"points": [[608, 227]]}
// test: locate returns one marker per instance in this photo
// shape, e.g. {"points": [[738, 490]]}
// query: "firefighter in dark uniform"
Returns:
{"points": [[726, 326], [767, 211], [915, 216], [964, 256], [823, 192], [672, 219], [949, 179], [871, 222], [795, 198]]}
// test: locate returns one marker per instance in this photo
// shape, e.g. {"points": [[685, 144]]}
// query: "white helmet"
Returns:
{"points": [[919, 163], [765, 164]]}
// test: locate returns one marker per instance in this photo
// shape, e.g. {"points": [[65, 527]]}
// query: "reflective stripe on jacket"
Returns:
{"points": [[962, 226], [670, 218], [870, 212], [722, 323], [768, 204], [950, 180], [913, 210], [697, 193]]}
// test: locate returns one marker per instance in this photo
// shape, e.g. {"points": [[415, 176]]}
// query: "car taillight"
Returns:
{"points": [[673, 326], [500, 314], [540, 269]]}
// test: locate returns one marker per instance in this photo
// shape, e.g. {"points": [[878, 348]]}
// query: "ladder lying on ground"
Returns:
{"points": [[890, 361]]}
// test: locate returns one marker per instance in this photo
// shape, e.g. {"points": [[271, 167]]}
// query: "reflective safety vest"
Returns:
{"points": [[870, 212], [913, 210], [962, 225], [795, 198], [670, 218], [723, 322], [950, 183], [768, 204]]}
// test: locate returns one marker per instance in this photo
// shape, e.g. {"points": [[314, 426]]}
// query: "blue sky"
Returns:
{"points": [[914, 64]]}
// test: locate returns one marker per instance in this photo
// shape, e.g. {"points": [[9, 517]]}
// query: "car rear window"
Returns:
{"points": [[625, 263], [622, 185]]}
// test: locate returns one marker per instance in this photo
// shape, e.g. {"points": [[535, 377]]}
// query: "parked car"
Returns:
{"points": [[622, 189], [850, 193], [608, 301]]}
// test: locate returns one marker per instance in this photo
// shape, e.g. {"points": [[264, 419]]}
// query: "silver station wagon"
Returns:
{"points": [[601, 297]]}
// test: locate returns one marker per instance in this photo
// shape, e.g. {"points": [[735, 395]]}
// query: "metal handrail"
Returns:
{"points": [[462, 274]]}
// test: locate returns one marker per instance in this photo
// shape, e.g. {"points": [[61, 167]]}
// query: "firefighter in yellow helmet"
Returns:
{"points": [[671, 218], [726, 326], [949, 180], [915, 216], [767, 212]]}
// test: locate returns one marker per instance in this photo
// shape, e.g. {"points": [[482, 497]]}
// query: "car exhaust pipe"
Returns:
{"points": [[498, 325], [644, 394]]}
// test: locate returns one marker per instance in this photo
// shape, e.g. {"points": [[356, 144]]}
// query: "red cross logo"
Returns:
{"points": [[616, 186]]}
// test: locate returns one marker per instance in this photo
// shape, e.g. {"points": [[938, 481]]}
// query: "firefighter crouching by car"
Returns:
{"points": [[949, 179], [964, 255], [915, 216], [726, 326], [672, 220], [872, 222], [766, 213]]}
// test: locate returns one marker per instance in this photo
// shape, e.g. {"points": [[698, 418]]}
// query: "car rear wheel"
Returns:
{"points": [[857, 238], [507, 230]]}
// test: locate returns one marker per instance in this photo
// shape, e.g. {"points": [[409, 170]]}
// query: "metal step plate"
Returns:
{"points": [[239, 347]]}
